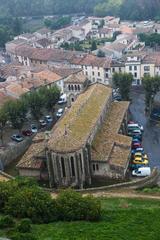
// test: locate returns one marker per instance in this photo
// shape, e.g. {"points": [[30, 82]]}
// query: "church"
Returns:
{"points": [[88, 142]]}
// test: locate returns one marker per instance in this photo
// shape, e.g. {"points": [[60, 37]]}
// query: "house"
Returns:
{"points": [[12, 46], [15, 90], [61, 36], [43, 43], [104, 33], [96, 69], [74, 85], [114, 50], [28, 37], [43, 33], [87, 143]]}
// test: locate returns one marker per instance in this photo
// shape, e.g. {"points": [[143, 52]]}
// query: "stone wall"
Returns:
{"points": [[11, 153]]}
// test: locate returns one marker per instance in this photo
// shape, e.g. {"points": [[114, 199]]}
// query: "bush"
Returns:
{"points": [[24, 226], [72, 206], [6, 222], [33, 203], [22, 236]]}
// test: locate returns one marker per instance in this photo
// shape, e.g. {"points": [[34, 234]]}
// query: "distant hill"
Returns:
{"points": [[126, 9]]}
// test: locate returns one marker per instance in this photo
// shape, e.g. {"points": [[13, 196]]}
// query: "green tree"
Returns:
{"points": [[16, 111], [100, 53], [35, 103], [3, 121], [17, 26], [93, 46], [151, 87], [123, 81]]}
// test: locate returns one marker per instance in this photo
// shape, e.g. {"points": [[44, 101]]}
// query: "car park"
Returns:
{"points": [[17, 137], [27, 132], [34, 129], [48, 118], [59, 112], [142, 172]]}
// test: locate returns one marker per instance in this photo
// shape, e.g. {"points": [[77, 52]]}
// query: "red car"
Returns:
{"points": [[136, 145], [27, 133]]}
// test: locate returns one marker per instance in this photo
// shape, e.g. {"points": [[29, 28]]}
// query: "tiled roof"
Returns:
{"points": [[91, 60], [108, 144], [65, 72], [76, 78], [16, 89], [47, 75], [73, 130], [44, 42]]}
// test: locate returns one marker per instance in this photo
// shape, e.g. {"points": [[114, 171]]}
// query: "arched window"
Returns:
{"points": [[72, 167], [63, 167], [69, 87], [75, 87], [78, 88], [72, 88]]}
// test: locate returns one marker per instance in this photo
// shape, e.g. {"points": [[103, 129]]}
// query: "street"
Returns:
{"points": [[151, 136]]}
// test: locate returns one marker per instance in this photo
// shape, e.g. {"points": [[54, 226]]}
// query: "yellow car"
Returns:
{"points": [[139, 160]]}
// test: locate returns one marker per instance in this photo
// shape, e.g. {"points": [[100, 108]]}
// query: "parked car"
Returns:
{"points": [[140, 160], [140, 149], [49, 119], [132, 126], [34, 129], [59, 112], [136, 145], [63, 99], [17, 137], [27, 132], [43, 123], [142, 172]]}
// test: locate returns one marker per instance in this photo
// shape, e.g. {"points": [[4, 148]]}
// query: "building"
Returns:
{"points": [[85, 144], [74, 85]]}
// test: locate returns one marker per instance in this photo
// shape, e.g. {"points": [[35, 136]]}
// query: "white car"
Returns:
{"points": [[142, 172], [34, 129], [49, 119], [59, 112]]}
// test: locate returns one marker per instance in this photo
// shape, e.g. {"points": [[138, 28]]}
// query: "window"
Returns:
{"points": [[130, 68], [97, 167], [113, 69], [99, 74], [135, 68], [85, 67], [78, 88], [146, 74], [120, 70], [86, 73], [106, 75], [72, 87], [146, 68], [72, 167], [135, 75], [63, 167], [75, 87], [93, 73], [93, 79], [69, 87], [94, 167]]}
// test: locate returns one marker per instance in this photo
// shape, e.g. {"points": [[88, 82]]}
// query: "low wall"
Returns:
{"points": [[13, 152]]}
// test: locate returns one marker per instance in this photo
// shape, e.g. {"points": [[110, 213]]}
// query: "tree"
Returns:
{"points": [[16, 111], [100, 53], [17, 26], [151, 87], [93, 46], [3, 121], [49, 96], [123, 81], [35, 103]]}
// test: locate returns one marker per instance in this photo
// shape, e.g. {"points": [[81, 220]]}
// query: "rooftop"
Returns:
{"points": [[76, 78], [107, 143], [96, 61], [73, 130]]}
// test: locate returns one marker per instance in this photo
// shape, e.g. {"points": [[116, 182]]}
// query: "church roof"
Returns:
{"points": [[109, 145], [73, 130]]}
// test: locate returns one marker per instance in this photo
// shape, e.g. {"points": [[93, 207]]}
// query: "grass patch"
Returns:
{"points": [[122, 219], [150, 190]]}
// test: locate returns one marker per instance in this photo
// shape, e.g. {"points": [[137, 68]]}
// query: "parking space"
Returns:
{"points": [[151, 135]]}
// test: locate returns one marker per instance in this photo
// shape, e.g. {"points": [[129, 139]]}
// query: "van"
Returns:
{"points": [[142, 172], [63, 99]]}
